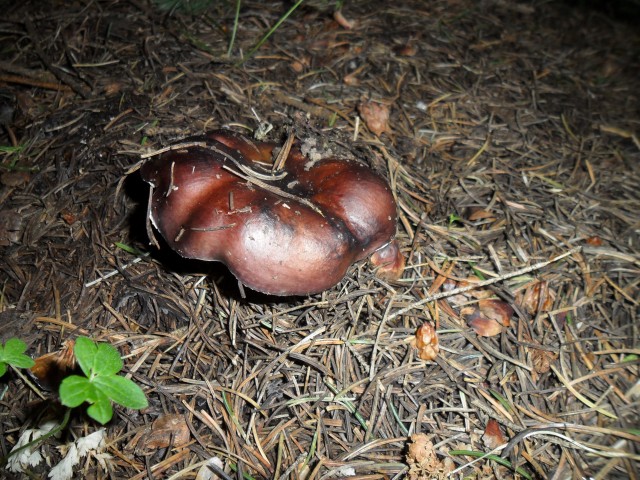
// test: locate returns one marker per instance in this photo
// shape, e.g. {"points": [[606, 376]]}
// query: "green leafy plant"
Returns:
{"points": [[12, 353], [11, 149], [100, 363]]}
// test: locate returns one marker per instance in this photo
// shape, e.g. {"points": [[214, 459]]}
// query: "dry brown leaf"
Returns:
{"points": [[475, 293], [375, 116], [15, 179], [167, 430], [69, 217], [496, 310], [426, 341], [493, 436], [477, 213], [483, 326], [536, 297]]}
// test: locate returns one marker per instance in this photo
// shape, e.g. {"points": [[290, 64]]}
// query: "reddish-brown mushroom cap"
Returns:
{"points": [[294, 232]]}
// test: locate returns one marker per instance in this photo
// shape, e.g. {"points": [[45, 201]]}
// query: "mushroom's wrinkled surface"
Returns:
{"points": [[291, 231]]}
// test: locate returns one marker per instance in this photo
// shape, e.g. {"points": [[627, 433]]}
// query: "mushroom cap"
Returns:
{"points": [[292, 233]]}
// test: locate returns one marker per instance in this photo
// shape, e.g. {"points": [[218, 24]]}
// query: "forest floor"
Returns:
{"points": [[512, 149]]}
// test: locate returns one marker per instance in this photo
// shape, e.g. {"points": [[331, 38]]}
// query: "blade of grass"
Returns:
{"points": [[394, 412], [232, 414], [235, 28], [495, 458], [581, 397], [350, 406], [270, 32], [312, 448], [503, 401], [128, 248]]}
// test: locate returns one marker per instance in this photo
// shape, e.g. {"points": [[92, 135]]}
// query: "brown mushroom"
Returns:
{"points": [[293, 231]]}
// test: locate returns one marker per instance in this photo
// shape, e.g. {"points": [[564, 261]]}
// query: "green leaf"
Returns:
{"points": [[21, 361], [10, 149], [122, 391], [100, 362], [3, 368], [14, 346], [107, 360], [128, 248], [478, 273], [453, 218], [75, 390], [85, 351], [13, 354], [503, 401], [101, 410]]}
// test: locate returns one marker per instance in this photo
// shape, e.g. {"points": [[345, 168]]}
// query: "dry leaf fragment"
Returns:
{"points": [[477, 213], [76, 451], [112, 88], [342, 21], [206, 473], [496, 310], [426, 341], [375, 116], [406, 50], [167, 430], [536, 297], [594, 241], [10, 227], [21, 456], [456, 300], [477, 292], [483, 326], [493, 436], [15, 179]]}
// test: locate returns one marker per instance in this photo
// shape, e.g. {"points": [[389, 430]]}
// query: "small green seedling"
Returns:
{"points": [[453, 218], [12, 353], [100, 362]]}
